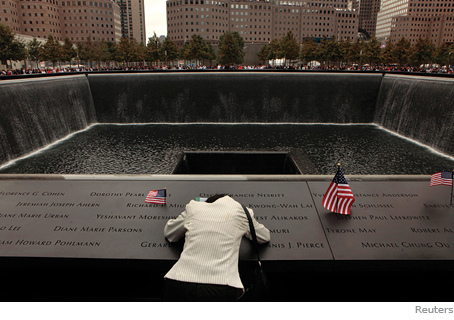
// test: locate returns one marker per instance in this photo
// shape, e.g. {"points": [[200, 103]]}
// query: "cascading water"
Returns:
{"points": [[418, 108], [235, 97], [37, 112]]}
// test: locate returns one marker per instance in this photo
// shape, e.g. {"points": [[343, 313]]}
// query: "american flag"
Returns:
{"points": [[441, 178], [339, 197], [156, 196]]}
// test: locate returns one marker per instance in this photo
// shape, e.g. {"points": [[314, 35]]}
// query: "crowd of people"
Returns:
{"points": [[380, 68]]}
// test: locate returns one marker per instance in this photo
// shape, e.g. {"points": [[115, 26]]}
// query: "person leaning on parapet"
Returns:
{"points": [[207, 269]]}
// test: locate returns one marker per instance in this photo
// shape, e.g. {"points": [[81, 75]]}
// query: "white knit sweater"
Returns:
{"points": [[213, 233]]}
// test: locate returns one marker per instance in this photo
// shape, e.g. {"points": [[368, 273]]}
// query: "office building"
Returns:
{"points": [[77, 20], [432, 19], [132, 15], [367, 11], [259, 21]]}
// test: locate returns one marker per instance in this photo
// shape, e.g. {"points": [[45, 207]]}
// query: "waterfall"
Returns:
{"points": [[419, 108], [38, 111], [180, 97]]}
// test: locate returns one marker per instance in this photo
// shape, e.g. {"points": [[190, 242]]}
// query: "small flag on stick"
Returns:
{"points": [[443, 178], [156, 196], [339, 197]]}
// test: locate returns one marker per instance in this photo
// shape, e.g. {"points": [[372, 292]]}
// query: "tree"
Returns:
{"points": [[273, 50], [371, 51], [33, 48], [51, 50], [335, 49], [153, 52], [110, 52], [68, 52], [18, 51], [344, 48], [79, 52], [6, 39], [263, 53], [86, 51], [310, 50], [387, 53], [422, 52], [401, 51], [99, 52], [354, 52], [140, 51], [329, 49], [211, 53], [289, 48], [125, 50], [197, 49], [183, 51], [11, 48], [230, 50], [170, 50], [443, 54]]}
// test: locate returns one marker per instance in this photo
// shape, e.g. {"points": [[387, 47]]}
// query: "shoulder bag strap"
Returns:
{"points": [[254, 236]]}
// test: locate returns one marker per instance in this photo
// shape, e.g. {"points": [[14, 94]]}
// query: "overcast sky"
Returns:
{"points": [[155, 17]]}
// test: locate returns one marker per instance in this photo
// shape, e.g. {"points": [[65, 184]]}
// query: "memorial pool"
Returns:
{"points": [[102, 161], [363, 149]]}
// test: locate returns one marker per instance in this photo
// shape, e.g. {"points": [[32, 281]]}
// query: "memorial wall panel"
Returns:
{"points": [[390, 220], [110, 219]]}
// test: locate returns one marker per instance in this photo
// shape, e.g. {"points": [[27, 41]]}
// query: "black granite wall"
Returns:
{"points": [[235, 97]]}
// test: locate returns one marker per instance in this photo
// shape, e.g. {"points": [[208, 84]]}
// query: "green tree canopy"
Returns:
{"points": [[230, 50], [129, 50], [110, 51], [402, 52], [263, 53], [33, 48], [68, 52], [387, 53], [354, 52], [51, 50], [11, 48], [422, 52], [170, 50], [197, 49], [211, 53], [86, 51], [153, 52], [326, 52], [344, 47], [289, 48], [371, 51], [273, 51], [310, 50]]}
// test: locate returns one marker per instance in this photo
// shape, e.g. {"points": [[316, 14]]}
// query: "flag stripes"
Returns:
{"points": [[339, 197], [156, 196], [441, 178]]}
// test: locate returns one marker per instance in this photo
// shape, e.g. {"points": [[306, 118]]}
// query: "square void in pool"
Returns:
{"points": [[236, 163]]}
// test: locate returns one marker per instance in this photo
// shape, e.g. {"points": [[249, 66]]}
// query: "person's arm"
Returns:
{"points": [[261, 232], [175, 229]]}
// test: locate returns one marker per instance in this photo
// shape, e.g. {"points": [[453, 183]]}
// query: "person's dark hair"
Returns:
{"points": [[215, 197]]}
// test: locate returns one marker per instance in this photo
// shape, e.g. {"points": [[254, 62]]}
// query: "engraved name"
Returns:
{"points": [[405, 244]]}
